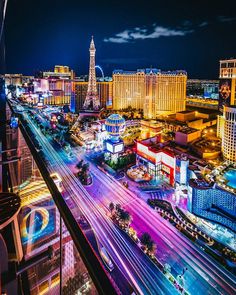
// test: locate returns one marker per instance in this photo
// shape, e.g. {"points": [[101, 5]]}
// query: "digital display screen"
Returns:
{"points": [[224, 92], [109, 147], [119, 148], [166, 169]]}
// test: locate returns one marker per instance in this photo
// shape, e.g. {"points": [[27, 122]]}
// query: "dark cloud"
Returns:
{"points": [[141, 33]]}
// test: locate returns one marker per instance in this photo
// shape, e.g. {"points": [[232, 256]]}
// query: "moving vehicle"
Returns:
{"points": [[106, 259], [19, 109], [57, 180]]}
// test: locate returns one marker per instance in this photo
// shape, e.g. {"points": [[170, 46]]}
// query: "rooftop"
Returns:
{"points": [[203, 110], [228, 60], [148, 71], [185, 112], [187, 130], [200, 183]]}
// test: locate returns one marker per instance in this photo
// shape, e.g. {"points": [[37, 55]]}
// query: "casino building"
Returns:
{"points": [[54, 87], [79, 91], [152, 90], [114, 125], [162, 161], [226, 129], [227, 85], [211, 202]]}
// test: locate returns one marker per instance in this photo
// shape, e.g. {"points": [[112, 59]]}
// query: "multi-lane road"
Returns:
{"points": [[139, 270], [204, 276]]}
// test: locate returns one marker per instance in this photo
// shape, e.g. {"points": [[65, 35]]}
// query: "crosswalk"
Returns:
{"points": [[157, 195], [146, 183]]}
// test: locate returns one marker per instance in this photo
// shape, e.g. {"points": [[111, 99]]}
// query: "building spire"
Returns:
{"points": [[92, 46], [92, 101]]}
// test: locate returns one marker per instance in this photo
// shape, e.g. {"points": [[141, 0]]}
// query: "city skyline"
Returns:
{"points": [[169, 36], [123, 184]]}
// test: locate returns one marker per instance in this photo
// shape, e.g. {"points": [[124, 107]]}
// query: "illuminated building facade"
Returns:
{"points": [[62, 72], [79, 90], [17, 79], [165, 93], [203, 88], [193, 119], [151, 90], [187, 135], [226, 124], [220, 126], [161, 161], [150, 128], [213, 203], [53, 91], [54, 87], [227, 85], [128, 89], [105, 93], [22, 84], [229, 134]]}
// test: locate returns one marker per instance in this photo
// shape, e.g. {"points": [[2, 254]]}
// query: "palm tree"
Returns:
{"points": [[125, 217], [118, 207], [80, 164], [151, 247], [148, 243], [111, 207], [85, 173], [145, 240]]}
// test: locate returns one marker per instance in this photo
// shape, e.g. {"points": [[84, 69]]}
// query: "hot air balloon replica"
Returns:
{"points": [[115, 126]]}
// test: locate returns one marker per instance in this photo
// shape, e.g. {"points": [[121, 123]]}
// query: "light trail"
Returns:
{"points": [[122, 193], [149, 280], [166, 231]]}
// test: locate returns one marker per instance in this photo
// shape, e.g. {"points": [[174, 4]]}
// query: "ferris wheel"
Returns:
{"points": [[101, 70]]}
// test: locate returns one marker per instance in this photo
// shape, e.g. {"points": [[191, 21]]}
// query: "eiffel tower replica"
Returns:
{"points": [[91, 105]]}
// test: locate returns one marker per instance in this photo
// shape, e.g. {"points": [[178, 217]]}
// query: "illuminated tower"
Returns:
{"points": [[229, 134], [92, 101]]}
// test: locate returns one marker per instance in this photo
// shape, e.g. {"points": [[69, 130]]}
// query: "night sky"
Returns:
{"points": [[128, 35]]}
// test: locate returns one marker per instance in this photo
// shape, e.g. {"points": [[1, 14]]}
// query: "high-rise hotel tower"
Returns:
{"points": [[128, 89], [165, 93], [153, 91], [226, 124], [229, 134]]}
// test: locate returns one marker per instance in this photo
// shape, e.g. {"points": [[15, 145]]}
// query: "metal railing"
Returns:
{"points": [[95, 269]]}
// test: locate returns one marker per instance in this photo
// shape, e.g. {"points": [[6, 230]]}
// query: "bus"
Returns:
{"points": [[57, 180], [106, 259]]}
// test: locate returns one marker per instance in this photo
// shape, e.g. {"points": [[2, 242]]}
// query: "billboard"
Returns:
{"points": [[224, 93], [109, 147], [119, 148], [14, 123], [114, 147]]}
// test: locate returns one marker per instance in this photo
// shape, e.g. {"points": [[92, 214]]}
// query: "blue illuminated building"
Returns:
{"points": [[211, 202]]}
